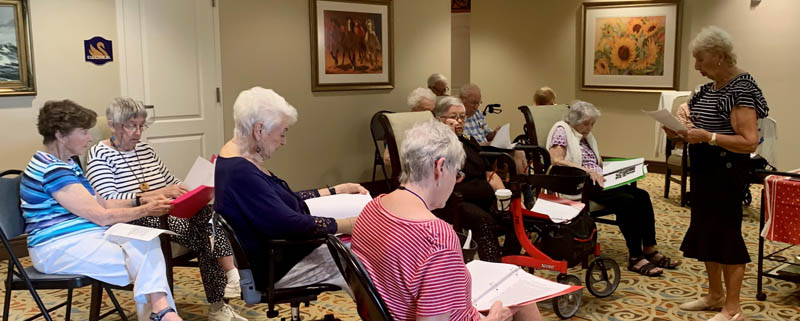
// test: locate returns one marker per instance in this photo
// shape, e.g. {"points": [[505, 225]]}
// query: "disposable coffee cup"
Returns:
{"points": [[503, 199]]}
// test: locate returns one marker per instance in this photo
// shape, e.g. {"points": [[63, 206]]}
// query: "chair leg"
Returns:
{"points": [[68, 310], [295, 311], [28, 283], [114, 301], [95, 302], [683, 188], [7, 302], [667, 181]]}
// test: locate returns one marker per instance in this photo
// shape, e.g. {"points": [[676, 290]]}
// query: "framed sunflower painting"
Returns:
{"points": [[631, 45]]}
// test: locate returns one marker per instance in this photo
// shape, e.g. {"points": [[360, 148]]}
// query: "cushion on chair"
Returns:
{"points": [[43, 281], [544, 117], [401, 122]]}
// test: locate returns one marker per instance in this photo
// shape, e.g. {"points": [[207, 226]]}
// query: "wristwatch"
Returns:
{"points": [[713, 141], [332, 190]]}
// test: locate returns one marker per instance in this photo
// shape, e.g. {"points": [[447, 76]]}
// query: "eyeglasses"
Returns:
{"points": [[458, 117], [134, 127]]}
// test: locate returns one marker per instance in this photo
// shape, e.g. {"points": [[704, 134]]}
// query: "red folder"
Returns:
{"points": [[190, 203]]}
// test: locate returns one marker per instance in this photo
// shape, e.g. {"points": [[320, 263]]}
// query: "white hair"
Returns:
{"points": [[259, 104], [434, 78], [579, 112], [444, 104], [417, 95], [423, 145], [713, 39], [468, 89], [123, 109]]}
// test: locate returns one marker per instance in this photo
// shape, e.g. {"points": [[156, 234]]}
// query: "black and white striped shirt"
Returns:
{"points": [[710, 108], [117, 175]]}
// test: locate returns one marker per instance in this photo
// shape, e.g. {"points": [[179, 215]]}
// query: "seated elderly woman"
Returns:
{"points": [[413, 257], [477, 189], [66, 223], [571, 143], [260, 206], [125, 168], [421, 99]]}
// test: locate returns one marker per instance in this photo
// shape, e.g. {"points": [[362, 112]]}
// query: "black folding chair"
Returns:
{"points": [[12, 229], [369, 303], [378, 135]]}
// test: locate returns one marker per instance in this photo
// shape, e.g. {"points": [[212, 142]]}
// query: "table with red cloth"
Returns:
{"points": [[782, 209]]}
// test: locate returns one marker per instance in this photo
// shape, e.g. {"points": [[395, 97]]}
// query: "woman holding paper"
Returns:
{"points": [[413, 257], [724, 113], [66, 223], [260, 206], [571, 143], [125, 168]]}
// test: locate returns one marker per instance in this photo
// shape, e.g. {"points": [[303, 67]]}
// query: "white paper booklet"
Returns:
{"points": [[339, 205], [502, 139], [666, 118], [136, 232], [201, 173], [618, 173], [509, 284], [557, 212]]}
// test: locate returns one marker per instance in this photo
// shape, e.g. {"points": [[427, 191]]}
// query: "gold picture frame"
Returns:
{"points": [[351, 45], [631, 45], [17, 77]]}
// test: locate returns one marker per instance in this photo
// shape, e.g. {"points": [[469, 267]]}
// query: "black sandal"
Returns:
{"points": [[663, 262], [158, 316], [646, 270]]}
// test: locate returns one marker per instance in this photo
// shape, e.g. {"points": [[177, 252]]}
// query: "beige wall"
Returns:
{"points": [[518, 46], [59, 28], [266, 43]]}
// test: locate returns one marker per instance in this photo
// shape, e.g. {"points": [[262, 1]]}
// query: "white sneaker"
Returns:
{"points": [[232, 289], [221, 311]]}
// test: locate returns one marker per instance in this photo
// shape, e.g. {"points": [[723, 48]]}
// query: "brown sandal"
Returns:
{"points": [[663, 261], [648, 269]]}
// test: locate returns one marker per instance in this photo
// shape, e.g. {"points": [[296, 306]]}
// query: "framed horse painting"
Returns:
{"points": [[351, 45]]}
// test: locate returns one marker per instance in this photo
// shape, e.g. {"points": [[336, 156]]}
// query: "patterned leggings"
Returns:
{"points": [[194, 234]]}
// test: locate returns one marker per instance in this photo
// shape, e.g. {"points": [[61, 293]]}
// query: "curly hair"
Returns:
{"points": [[62, 116]]}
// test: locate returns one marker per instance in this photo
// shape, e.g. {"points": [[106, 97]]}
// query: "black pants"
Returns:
{"points": [[634, 215]]}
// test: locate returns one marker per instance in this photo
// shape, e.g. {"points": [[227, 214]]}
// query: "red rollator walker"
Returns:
{"points": [[559, 246]]}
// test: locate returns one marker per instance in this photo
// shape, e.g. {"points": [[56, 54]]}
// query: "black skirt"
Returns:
{"points": [[718, 180]]}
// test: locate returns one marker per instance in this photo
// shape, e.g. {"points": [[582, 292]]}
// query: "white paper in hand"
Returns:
{"points": [[136, 232], [202, 173], [502, 139], [339, 205], [666, 118]]}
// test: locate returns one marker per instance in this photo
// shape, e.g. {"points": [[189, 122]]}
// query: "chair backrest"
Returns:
{"points": [[12, 224], [395, 126], [250, 294], [540, 119], [677, 103], [560, 179], [369, 303], [376, 128]]}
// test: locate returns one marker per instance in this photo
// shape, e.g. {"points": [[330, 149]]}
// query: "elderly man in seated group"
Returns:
{"points": [[438, 84]]}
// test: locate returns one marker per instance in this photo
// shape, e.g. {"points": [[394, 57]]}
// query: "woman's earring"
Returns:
{"points": [[258, 150]]}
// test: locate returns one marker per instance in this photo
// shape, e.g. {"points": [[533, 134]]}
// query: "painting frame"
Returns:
{"points": [[355, 72], [652, 64], [16, 80]]}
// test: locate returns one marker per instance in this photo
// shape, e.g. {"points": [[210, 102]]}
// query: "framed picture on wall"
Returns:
{"points": [[631, 45], [351, 45], [16, 58]]}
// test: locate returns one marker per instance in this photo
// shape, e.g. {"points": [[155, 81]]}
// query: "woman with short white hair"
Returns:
{"points": [[421, 99], [438, 84], [260, 206], [571, 143], [413, 257], [724, 113]]}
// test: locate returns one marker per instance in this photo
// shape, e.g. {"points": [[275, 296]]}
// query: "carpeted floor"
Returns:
{"points": [[637, 298]]}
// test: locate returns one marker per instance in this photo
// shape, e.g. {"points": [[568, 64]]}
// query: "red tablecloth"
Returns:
{"points": [[782, 209]]}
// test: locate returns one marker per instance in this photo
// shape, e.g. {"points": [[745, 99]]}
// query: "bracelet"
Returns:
{"points": [[138, 200], [133, 202], [332, 190]]}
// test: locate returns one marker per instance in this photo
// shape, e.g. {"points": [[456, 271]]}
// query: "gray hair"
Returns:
{"points": [[123, 109], [259, 104], [423, 145], [468, 89], [434, 78], [444, 104], [714, 40], [417, 95], [579, 112]]}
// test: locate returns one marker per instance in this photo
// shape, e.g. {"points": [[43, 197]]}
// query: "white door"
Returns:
{"points": [[169, 58]]}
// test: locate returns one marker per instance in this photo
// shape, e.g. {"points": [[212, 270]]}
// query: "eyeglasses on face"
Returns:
{"points": [[134, 127], [458, 117]]}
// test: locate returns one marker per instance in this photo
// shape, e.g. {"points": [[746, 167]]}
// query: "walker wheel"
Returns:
{"points": [[567, 305], [602, 277]]}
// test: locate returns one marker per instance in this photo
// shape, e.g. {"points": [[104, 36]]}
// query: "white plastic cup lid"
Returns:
{"points": [[502, 193]]}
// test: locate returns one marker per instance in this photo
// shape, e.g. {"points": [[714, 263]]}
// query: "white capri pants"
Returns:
{"points": [[110, 260]]}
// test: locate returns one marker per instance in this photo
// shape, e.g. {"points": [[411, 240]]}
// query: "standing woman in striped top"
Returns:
{"points": [[724, 112], [413, 257], [125, 168]]}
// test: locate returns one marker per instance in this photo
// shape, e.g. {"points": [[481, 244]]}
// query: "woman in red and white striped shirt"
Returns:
{"points": [[413, 257]]}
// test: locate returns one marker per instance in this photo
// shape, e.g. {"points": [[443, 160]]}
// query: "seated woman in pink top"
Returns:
{"points": [[413, 257]]}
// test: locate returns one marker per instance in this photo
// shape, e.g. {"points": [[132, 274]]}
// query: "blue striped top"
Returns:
{"points": [[710, 108], [45, 219]]}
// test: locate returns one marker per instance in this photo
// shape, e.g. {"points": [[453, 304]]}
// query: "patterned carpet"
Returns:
{"points": [[637, 298]]}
